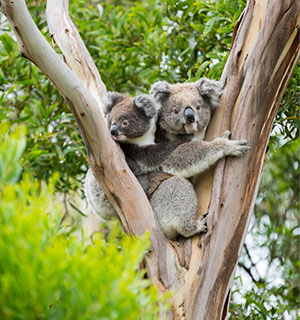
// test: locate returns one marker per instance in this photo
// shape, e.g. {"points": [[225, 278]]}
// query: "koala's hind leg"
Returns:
{"points": [[175, 204], [97, 199]]}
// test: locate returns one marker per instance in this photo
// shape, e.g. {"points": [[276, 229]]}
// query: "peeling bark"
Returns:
{"points": [[265, 49]]}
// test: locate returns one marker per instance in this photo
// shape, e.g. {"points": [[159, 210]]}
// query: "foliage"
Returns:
{"points": [[134, 43], [139, 42], [48, 273], [287, 119], [27, 97]]}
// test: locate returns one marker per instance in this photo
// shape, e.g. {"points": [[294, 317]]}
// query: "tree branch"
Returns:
{"points": [[64, 33], [264, 52], [109, 165]]}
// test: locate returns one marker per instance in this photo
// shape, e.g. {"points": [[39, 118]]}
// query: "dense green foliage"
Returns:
{"points": [[134, 43], [46, 272]]}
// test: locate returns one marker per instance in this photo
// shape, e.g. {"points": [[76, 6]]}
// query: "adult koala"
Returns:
{"points": [[186, 109]]}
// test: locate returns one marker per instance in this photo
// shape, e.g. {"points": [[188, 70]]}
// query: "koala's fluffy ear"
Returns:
{"points": [[210, 90], [160, 90], [147, 104], [111, 99]]}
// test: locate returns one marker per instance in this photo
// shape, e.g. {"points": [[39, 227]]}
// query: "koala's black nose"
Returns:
{"points": [[114, 130], [189, 115]]}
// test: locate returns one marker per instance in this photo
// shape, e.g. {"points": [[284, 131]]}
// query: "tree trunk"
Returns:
{"points": [[264, 52]]}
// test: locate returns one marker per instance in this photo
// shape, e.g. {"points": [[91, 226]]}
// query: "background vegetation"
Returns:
{"points": [[46, 271], [133, 43]]}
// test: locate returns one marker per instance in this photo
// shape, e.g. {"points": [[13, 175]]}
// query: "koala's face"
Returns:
{"points": [[185, 112], [130, 119], [186, 108]]}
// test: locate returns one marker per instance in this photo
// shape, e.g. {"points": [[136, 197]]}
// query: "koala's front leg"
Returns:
{"points": [[195, 157]]}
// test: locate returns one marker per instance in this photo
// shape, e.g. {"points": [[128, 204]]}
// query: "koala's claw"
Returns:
{"points": [[204, 215], [238, 148], [202, 224], [242, 142]]}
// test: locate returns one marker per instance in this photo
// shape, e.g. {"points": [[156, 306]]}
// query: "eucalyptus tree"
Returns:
{"points": [[264, 51]]}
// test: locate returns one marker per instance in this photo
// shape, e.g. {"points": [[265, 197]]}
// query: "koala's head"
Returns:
{"points": [[131, 120], [186, 108]]}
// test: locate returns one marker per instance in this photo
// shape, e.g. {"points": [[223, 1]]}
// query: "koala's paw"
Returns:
{"points": [[202, 224], [232, 147], [237, 148]]}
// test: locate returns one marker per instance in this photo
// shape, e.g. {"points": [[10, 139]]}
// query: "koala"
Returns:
{"points": [[133, 120], [186, 109]]}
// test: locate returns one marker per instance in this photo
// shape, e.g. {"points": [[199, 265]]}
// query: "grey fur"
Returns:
{"points": [[189, 158], [97, 200], [175, 204], [174, 200], [143, 102], [195, 157], [110, 100], [131, 118], [210, 90], [203, 97], [140, 114]]}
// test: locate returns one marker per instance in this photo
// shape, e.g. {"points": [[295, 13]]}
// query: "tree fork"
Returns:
{"points": [[264, 52]]}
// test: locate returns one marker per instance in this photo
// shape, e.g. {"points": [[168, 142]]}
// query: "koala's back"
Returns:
{"points": [[175, 204]]}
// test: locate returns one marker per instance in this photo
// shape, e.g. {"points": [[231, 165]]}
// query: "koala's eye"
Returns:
{"points": [[198, 107], [125, 123], [176, 111]]}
